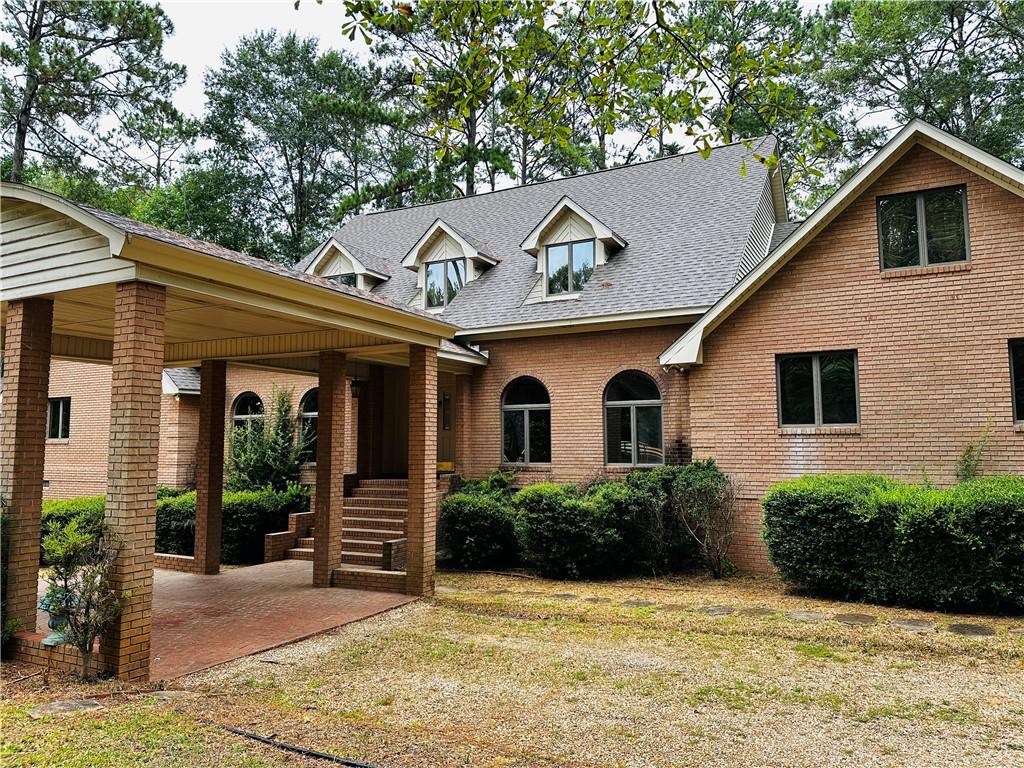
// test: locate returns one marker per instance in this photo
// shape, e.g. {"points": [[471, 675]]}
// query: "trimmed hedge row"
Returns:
{"points": [[602, 530], [246, 517], [867, 537]]}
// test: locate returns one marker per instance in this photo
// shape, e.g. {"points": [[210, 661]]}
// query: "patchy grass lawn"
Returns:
{"points": [[499, 671]]}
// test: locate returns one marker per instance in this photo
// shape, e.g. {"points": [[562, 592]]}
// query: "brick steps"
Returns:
{"points": [[373, 514]]}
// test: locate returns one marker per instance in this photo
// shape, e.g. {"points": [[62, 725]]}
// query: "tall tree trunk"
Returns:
{"points": [[470, 159], [24, 118]]}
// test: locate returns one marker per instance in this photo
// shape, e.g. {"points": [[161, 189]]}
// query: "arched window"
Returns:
{"points": [[247, 408], [309, 408], [525, 423], [632, 420]]}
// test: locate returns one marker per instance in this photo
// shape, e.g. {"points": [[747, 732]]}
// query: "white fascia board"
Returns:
{"points": [[686, 350], [117, 237], [532, 242]]}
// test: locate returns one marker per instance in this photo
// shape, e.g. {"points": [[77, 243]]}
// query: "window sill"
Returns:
{"points": [[575, 295], [1018, 427], [960, 266], [838, 430], [525, 467], [58, 440]]}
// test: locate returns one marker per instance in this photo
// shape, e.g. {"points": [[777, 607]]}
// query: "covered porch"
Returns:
{"points": [[83, 284]]}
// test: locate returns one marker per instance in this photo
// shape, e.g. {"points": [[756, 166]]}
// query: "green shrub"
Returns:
{"points": [[680, 549], [500, 483], [705, 504], [246, 517], [59, 513], [264, 453], [566, 535], [167, 492], [867, 537], [637, 514], [477, 530], [176, 525]]}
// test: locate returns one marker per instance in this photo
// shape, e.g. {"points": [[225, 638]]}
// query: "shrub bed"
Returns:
{"points": [[871, 538], [246, 517]]}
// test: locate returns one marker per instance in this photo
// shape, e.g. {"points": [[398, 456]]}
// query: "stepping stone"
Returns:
{"points": [[564, 596], [914, 625], [637, 604], [972, 630], [756, 612], [855, 619], [445, 589], [68, 707], [1016, 631], [805, 616], [716, 610]]}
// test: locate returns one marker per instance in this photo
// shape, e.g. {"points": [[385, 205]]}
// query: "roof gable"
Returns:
{"points": [[471, 247], [360, 261], [687, 349], [532, 243]]}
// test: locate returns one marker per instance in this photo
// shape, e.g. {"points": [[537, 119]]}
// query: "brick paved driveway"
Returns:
{"points": [[199, 621]]}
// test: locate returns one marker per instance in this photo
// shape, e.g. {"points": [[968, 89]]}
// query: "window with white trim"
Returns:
{"points": [[525, 422], [247, 410], [817, 389], [920, 229], [58, 418], [1017, 378], [444, 279], [569, 266], [632, 420], [309, 410]]}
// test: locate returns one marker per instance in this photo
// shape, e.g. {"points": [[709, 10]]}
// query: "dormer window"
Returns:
{"points": [[445, 259], [348, 265], [444, 279], [350, 279], [569, 266]]}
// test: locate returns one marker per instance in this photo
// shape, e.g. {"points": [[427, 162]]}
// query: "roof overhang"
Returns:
{"points": [[220, 305], [688, 348], [359, 267], [590, 324], [532, 243], [411, 260]]}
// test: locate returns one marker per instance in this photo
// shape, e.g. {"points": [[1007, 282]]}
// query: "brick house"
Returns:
{"points": [[646, 314]]}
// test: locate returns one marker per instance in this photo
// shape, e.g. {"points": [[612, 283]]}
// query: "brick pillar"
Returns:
{"points": [[26, 381], [131, 471], [421, 520], [210, 465], [330, 467], [463, 386]]}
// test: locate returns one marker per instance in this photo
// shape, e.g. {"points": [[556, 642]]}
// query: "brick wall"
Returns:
{"points": [[932, 352], [575, 369]]}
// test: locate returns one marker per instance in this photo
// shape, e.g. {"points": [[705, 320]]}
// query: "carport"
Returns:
{"points": [[82, 284]]}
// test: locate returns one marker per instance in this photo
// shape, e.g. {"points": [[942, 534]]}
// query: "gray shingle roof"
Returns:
{"points": [[781, 232], [211, 249], [185, 379], [686, 219]]}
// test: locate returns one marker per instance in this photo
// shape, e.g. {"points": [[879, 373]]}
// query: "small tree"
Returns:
{"points": [[79, 589], [264, 453], [968, 465], [705, 501]]}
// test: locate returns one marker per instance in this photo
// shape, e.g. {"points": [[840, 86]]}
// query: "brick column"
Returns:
{"points": [[330, 467], [421, 520], [210, 466], [463, 386], [26, 381], [131, 471]]}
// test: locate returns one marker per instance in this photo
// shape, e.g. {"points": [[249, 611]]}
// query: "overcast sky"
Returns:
{"points": [[202, 30]]}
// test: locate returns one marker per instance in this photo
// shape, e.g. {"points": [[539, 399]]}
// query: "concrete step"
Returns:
{"points": [[392, 523], [371, 534], [358, 577], [299, 553]]}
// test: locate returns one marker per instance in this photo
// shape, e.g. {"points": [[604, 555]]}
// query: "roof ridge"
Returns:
{"points": [[623, 167]]}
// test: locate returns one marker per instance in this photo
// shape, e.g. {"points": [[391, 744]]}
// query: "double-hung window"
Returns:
{"points": [[920, 229], [569, 266], [444, 280], [1017, 378], [818, 389], [58, 418]]}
